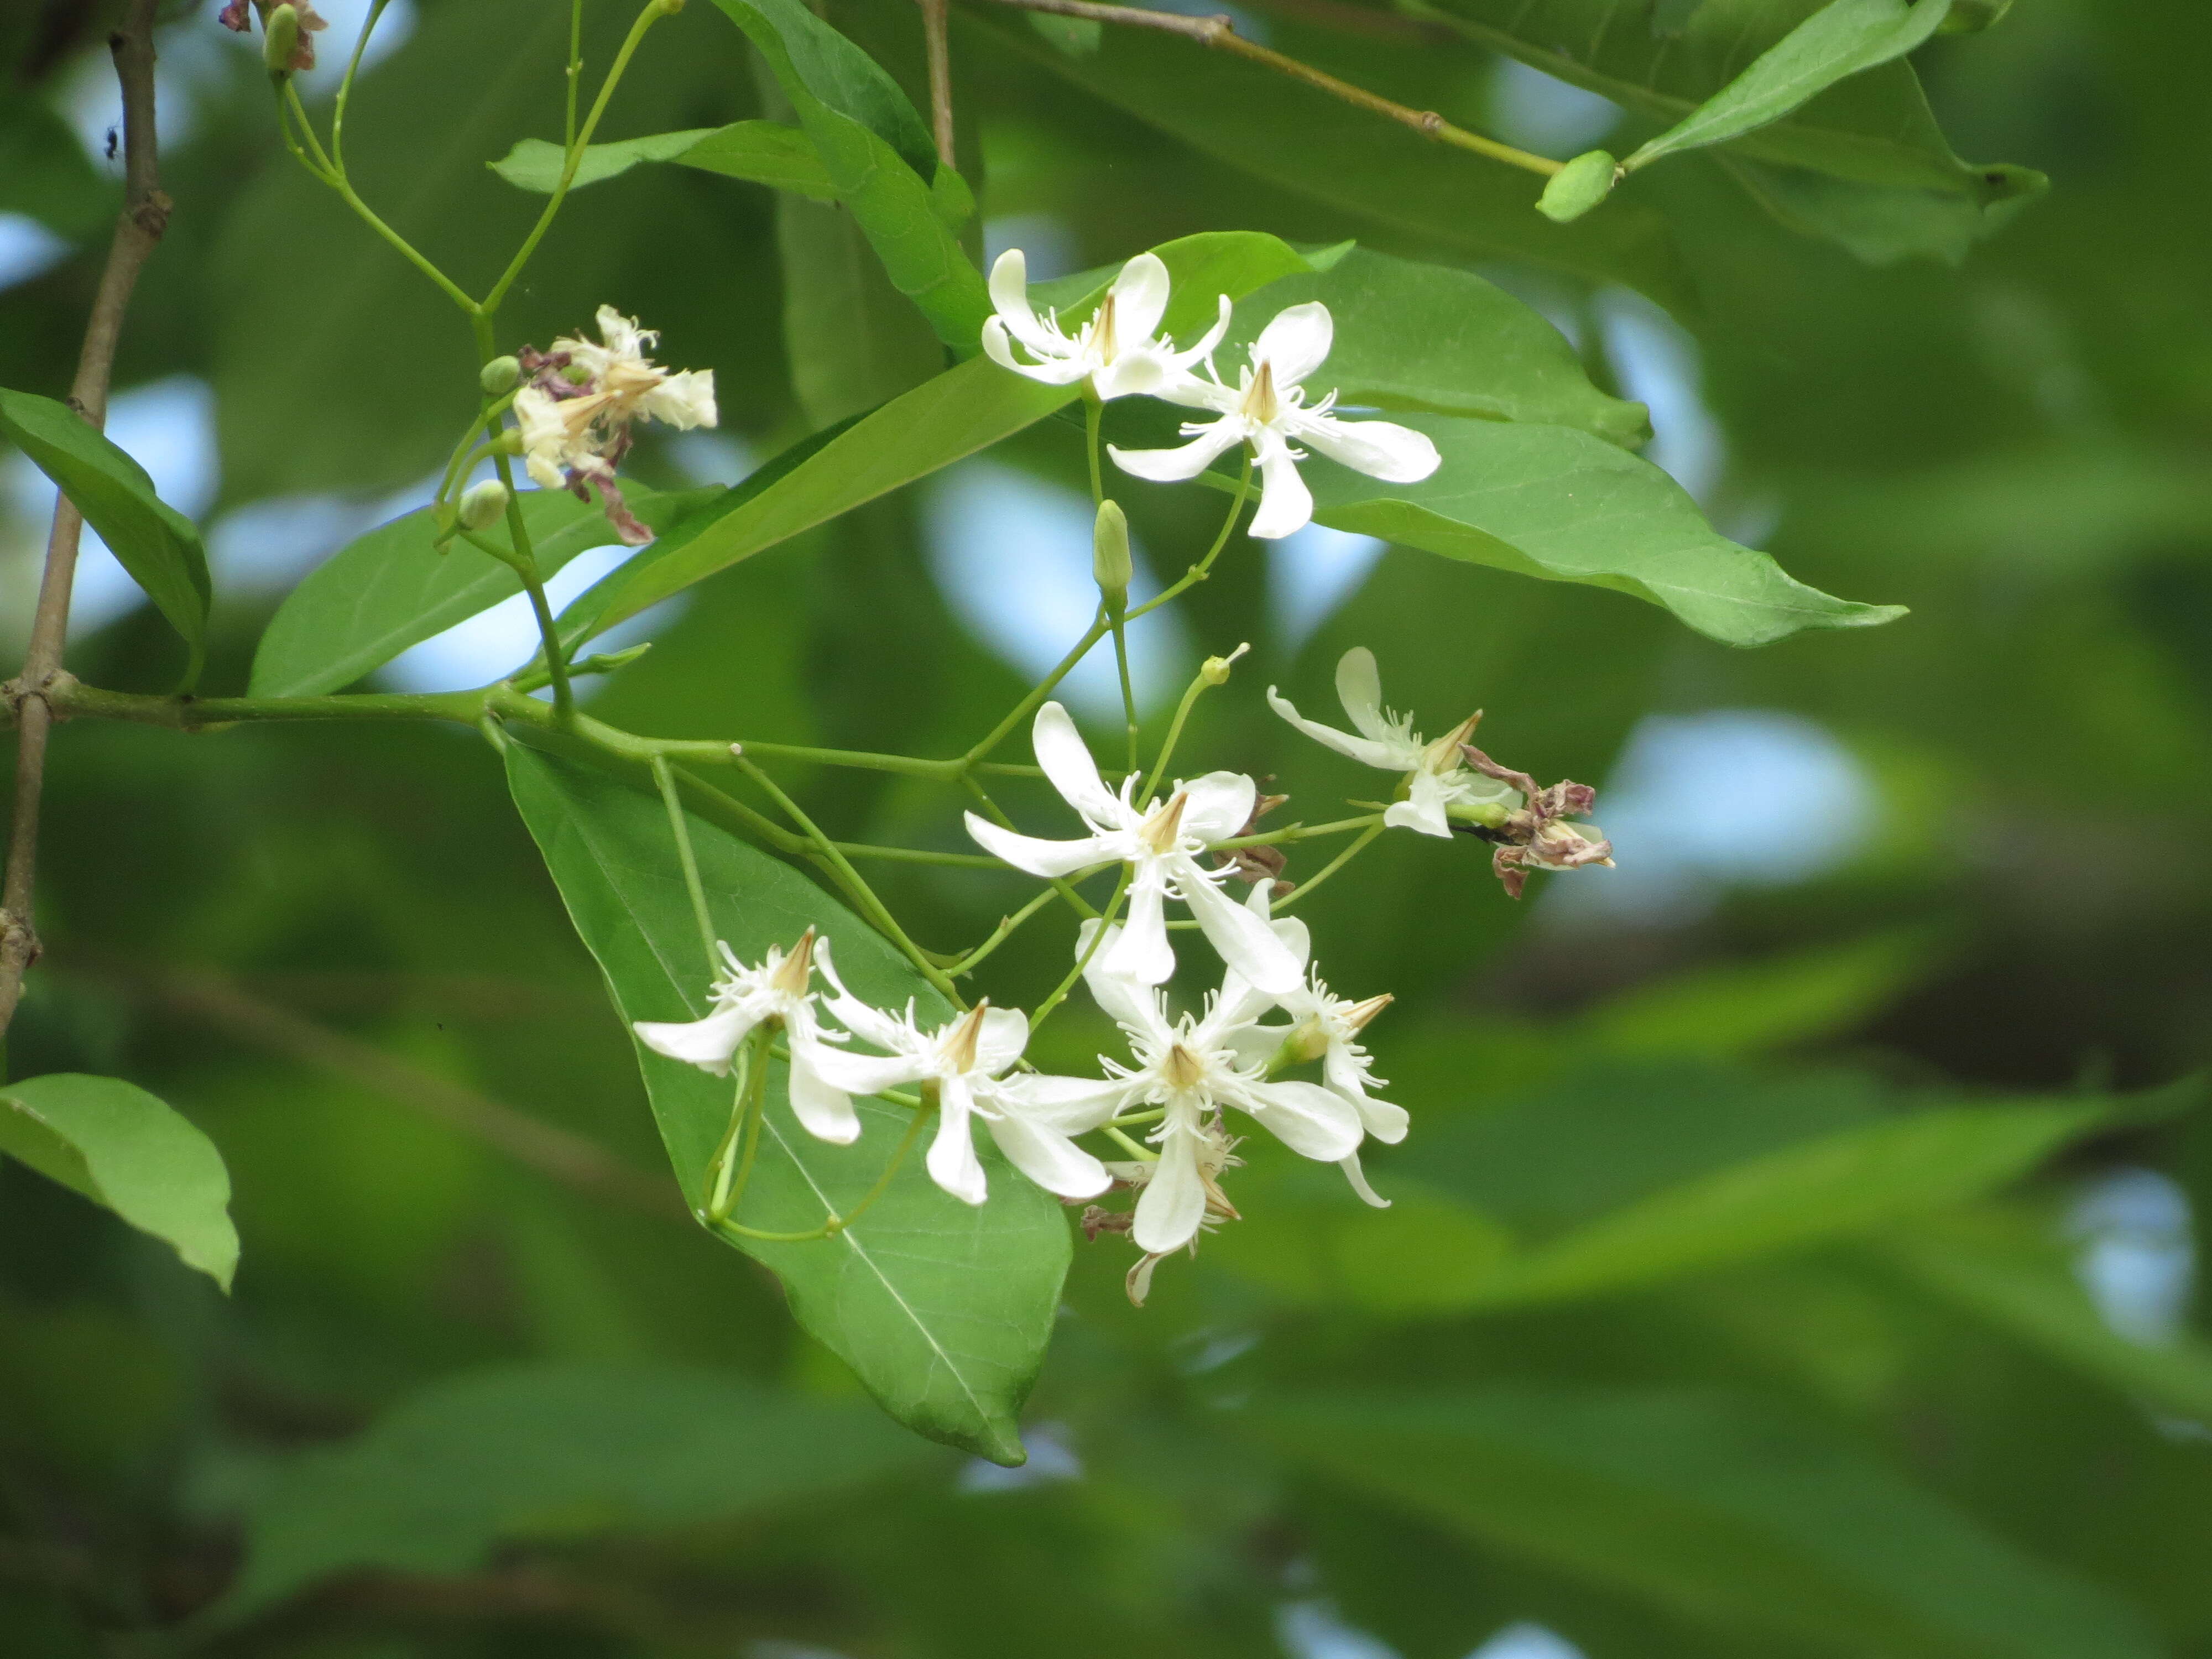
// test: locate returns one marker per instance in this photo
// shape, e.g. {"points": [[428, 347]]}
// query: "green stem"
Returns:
{"points": [[345, 87], [1300, 832], [745, 1115], [1190, 697], [575, 71], [664, 776], [918, 855], [1330, 868], [1199, 572], [1097, 938], [1039, 692], [556, 655], [1136, 1149], [1060, 884], [1002, 932]]}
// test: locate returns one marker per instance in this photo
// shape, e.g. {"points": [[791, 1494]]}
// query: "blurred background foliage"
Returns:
{"points": [[1834, 1141]]}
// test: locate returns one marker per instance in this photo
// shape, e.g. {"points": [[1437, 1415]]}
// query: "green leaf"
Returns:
{"points": [[1411, 335], [44, 172], [1881, 224], [879, 156], [548, 1452], [852, 341], [1713, 1507], [1558, 504], [943, 1311], [961, 411], [762, 152], [1844, 37], [391, 588], [1869, 122], [156, 543], [1383, 174], [123, 1149]]}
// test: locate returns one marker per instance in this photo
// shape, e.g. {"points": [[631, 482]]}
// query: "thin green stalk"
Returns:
{"points": [[1059, 884], [345, 87], [1330, 868], [1199, 572], [556, 656], [1298, 832], [1135, 1149], [1190, 697], [575, 71], [1134, 1120], [664, 776], [839, 1223], [1001, 934], [1042, 690], [1097, 938], [653, 11], [1128, 696], [861, 760], [1092, 408], [744, 1103], [918, 855], [875, 908]]}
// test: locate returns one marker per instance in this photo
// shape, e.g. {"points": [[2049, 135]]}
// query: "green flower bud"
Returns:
{"points": [[1110, 566], [498, 376], [280, 40], [1214, 671], [1579, 186], [484, 505]]}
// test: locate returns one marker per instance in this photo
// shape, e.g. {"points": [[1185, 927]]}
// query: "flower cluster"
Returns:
{"points": [[1115, 355]]}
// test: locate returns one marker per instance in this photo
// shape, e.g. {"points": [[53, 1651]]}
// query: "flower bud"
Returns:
{"points": [[484, 505], [498, 376], [1579, 186], [1110, 565], [280, 39], [1214, 671]]}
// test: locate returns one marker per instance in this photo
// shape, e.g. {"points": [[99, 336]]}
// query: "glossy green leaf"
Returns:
{"points": [[943, 1311], [548, 1452], [1843, 39], [853, 340], [961, 411], [1872, 126], [1411, 335], [157, 544], [1880, 224], [122, 1148], [1357, 163], [1558, 504], [762, 152], [392, 588], [878, 155], [1714, 1508]]}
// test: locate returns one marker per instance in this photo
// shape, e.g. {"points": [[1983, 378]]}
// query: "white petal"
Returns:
{"points": [[1140, 298], [1067, 1105], [1047, 1156], [1069, 769], [862, 1019], [1143, 371], [1395, 454], [1047, 859], [1286, 503], [866, 1074], [952, 1162], [1207, 342], [1004, 1034], [1359, 689], [1357, 1177], [1368, 751], [1125, 1000], [1295, 342], [1385, 1120], [1175, 465], [707, 1043], [1423, 809], [823, 1110], [1010, 295], [1173, 1203], [1245, 942], [1196, 391], [682, 401], [1140, 951], [1218, 805], [1310, 1119]]}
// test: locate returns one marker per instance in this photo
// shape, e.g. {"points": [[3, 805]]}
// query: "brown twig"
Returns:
{"points": [[138, 230], [940, 77], [554, 1153], [1220, 32]]}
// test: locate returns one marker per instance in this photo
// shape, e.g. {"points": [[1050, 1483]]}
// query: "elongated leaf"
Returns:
{"points": [[943, 1311], [1843, 39], [1879, 224], [961, 410], [391, 588], [1411, 335], [1713, 1507], [1873, 126], [764, 152], [879, 157], [122, 1148], [156, 543], [852, 341], [547, 1451], [1385, 175]]}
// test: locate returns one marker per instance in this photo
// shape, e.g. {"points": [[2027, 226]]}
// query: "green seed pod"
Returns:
{"points": [[498, 376], [1579, 186], [280, 40], [484, 505], [1110, 566]]}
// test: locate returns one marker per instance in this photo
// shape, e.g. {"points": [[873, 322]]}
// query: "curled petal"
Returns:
{"points": [[867, 1074], [1357, 1177], [1000, 1041], [1139, 951], [1311, 1120], [1382, 1119], [1247, 945], [1176, 465], [824, 1110], [1140, 298], [1218, 805], [1010, 296], [1295, 342], [1359, 689], [1047, 1156], [1048, 859], [1208, 342], [952, 1162], [1395, 454], [1127, 1001], [1286, 503], [1424, 808], [707, 1043], [1070, 769], [1067, 1105], [1368, 750], [1143, 372], [1173, 1203]]}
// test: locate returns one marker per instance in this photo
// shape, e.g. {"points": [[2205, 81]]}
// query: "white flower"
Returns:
{"points": [[1115, 351], [1216, 1154], [583, 428], [1031, 1117], [745, 997], [1161, 846], [1196, 1068], [1441, 778], [1266, 409]]}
